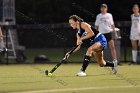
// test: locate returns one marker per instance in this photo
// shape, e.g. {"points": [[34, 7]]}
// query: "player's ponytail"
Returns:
{"points": [[76, 18]]}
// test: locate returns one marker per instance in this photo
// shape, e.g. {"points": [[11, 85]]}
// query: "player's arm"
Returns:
{"points": [[89, 31], [113, 27], [1, 35], [139, 39], [96, 27], [97, 23], [78, 48], [116, 35], [68, 54]]}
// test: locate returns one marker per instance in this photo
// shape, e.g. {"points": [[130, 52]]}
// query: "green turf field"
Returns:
{"points": [[56, 54], [31, 79]]}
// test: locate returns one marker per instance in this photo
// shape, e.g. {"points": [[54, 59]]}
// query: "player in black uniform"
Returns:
{"points": [[97, 44]]}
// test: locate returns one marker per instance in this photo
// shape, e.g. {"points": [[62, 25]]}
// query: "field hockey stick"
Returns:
{"points": [[62, 61]]}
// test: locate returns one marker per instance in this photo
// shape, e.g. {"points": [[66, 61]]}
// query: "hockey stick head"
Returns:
{"points": [[48, 73]]}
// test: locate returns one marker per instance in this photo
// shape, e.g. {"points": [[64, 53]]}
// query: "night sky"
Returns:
{"points": [[55, 11]]}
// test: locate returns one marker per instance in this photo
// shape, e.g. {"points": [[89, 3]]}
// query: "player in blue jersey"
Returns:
{"points": [[97, 43]]}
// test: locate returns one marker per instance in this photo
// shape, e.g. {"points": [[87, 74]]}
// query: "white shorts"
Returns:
{"points": [[134, 37]]}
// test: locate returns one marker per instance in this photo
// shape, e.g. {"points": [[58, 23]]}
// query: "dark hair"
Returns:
{"points": [[136, 5], [76, 18]]}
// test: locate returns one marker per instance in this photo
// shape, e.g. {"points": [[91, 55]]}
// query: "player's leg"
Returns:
{"points": [[98, 53], [110, 41], [134, 50], [99, 57], [100, 60], [113, 50], [95, 46], [95, 49], [91, 50], [89, 54], [85, 64]]}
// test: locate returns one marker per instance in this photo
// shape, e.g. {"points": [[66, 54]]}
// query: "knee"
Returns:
{"points": [[90, 50], [112, 47], [135, 48], [101, 65]]}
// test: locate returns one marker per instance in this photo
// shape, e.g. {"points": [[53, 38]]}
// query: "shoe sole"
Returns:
{"points": [[81, 75]]}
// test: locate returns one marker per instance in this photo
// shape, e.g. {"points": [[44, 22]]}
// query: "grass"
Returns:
{"points": [[30, 77], [56, 54]]}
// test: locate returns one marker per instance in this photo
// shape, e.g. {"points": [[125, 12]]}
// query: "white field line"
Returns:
{"points": [[74, 89]]}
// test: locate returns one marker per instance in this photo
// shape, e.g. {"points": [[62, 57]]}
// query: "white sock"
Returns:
{"points": [[134, 55], [115, 60]]}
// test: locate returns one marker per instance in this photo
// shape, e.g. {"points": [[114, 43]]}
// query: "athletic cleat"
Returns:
{"points": [[4, 50], [115, 63], [81, 74], [114, 69], [132, 63]]}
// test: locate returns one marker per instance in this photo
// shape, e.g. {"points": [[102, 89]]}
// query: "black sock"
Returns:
{"points": [[85, 63], [110, 64]]}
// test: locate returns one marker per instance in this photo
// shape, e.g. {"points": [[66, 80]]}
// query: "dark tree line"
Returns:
{"points": [[52, 11]]}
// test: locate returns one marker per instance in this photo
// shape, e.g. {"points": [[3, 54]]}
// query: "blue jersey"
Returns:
{"points": [[98, 37], [82, 32]]}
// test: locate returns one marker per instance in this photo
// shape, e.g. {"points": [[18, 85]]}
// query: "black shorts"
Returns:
{"points": [[108, 36]]}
